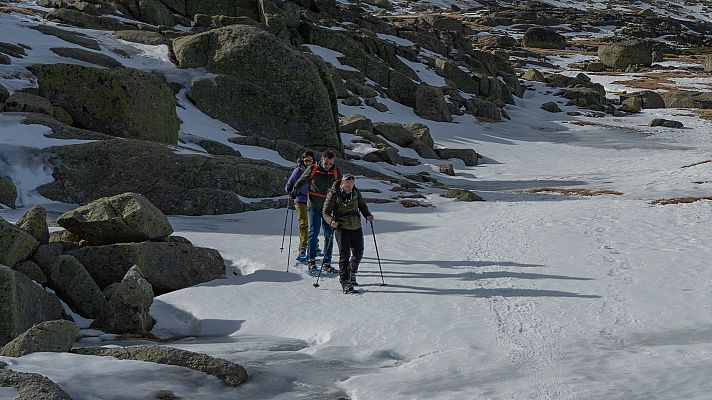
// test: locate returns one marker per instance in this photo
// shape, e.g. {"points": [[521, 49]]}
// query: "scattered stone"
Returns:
{"points": [[127, 305], [430, 104], [533, 75], [447, 169], [127, 217], [666, 123], [51, 336], [468, 156], [632, 105], [34, 222], [388, 154], [621, 55], [415, 136], [551, 107], [543, 38], [462, 195], [228, 372], [484, 110]]}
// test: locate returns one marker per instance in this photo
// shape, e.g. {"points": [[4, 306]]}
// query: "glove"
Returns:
{"points": [[293, 194], [369, 218]]}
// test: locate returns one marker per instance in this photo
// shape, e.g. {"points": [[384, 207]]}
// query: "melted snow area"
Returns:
{"points": [[523, 296]]}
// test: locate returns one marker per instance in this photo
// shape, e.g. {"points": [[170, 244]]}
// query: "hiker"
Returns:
{"points": [[299, 198], [320, 177], [341, 212]]}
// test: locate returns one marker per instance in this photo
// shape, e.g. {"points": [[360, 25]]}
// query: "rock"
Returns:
{"points": [[415, 136], [143, 37], [189, 184], [708, 63], [68, 277], [23, 304], [128, 217], [388, 154], [551, 107], [12, 50], [86, 56], [15, 244], [461, 78], [5, 60], [484, 110], [688, 99], [4, 94], [25, 102], [62, 130], [468, 156], [31, 386], [351, 101], [595, 66], [229, 373], [46, 254], [64, 238], [543, 38], [86, 20], [32, 271], [8, 192], [217, 148], [632, 104], [34, 222], [666, 123], [583, 97], [447, 169], [647, 99], [621, 55], [152, 11], [265, 87], [430, 104], [168, 266], [68, 36], [462, 195], [561, 81], [120, 102], [352, 123], [127, 306], [51, 336]]}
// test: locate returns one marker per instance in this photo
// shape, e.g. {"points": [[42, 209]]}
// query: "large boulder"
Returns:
{"points": [[461, 78], [8, 191], [31, 386], [387, 154], [430, 104], [25, 102], [4, 94], [264, 86], [71, 281], [483, 110], [468, 156], [23, 304], [648, 99], [688, 100], [120, 102], [168, 266], [188, 184], [127, 306], [415, 136], [15, 244], [621, 55], [128, 217], [34, 222], [543, 38], [152, 11], [51, 336], [355, 122], [32, 271]]}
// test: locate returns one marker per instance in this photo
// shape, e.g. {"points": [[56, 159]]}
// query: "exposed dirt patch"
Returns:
{"points": [[679, 200], [697, 163], [572, 192]]}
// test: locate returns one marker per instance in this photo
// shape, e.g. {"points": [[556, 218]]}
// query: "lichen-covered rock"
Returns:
{"points": [[352, 123], [621, 55], [71, 281], [648, 99], [632, 104], [168, 266], [687, 99], [543, 38], [666, 123], [415, 136], [127, 306], [32, 386], [120, 102], [85, 20], [4, 94], [15, 244], [87, 56], [34, 222], [265, 87], [23, 304], [583, 97], [430, 104], [468, 156], [551, 107], [388, 154], [25, 102], [462, 195], [447, 169], [228, 372], [68, 36], [143, 37], [128, 217], [47, 253], [484, 110], [8, 191], [51, 336], [189, 184], [152, 11], [32, 271]]}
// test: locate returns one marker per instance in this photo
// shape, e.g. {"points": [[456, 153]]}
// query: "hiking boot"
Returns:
{"points": [[319, 253], [353, 280], [302, 256], [348, 289], [326, 267], [312, 268]]}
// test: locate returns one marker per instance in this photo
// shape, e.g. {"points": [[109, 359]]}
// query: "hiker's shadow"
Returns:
{"points": [[477, 292], [451, 263]]}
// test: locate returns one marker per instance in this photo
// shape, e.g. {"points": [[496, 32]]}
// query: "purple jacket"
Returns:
{"points": [[303, 190]]}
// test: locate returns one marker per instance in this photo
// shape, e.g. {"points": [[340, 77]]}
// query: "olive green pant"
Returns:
{"points": [[302, 225]]}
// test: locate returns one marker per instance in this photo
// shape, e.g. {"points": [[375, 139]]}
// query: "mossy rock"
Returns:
{"points": [[120, 102], [15, 244], [50, 336]]}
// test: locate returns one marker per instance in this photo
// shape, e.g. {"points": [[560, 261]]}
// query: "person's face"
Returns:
{"points": [[327, 163], [308, 160], [348, 184]]}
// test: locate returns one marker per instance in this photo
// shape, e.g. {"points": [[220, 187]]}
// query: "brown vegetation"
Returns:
{"points": [[679, 200], [572, 192]]}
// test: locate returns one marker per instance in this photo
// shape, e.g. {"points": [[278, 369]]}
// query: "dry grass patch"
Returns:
{"points": [[661, 80], [679, 200], [573, 192], [697, 163], [704, 113]]}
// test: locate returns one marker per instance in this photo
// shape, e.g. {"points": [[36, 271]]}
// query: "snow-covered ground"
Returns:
{"points": [[524, 296]]}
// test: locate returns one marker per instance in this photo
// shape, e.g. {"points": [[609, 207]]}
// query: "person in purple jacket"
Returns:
{"points": [[300, 201]]}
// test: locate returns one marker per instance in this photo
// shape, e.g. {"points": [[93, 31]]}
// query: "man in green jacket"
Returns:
{"points": [[320, 177], [341, 212]]}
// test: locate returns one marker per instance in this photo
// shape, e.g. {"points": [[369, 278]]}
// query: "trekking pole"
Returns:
{"points": [[291, 230], [289, 199], [377, 256], [331, 237]]}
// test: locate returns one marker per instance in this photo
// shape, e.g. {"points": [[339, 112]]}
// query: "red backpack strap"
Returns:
{"points": [[335, 172], [314, 171]]}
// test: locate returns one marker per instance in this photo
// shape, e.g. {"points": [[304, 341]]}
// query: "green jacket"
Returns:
{"points": [[319, 183], [344, 208]]}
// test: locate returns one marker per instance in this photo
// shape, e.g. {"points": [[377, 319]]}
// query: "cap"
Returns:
{"points": [[347, 177]]}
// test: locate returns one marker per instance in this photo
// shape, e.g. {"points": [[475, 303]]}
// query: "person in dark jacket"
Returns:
{"points": [[319, 177], [300, 201], [341, 211]]}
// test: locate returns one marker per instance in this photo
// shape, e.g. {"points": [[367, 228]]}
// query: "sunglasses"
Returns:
{"points": [[308, 161], [325, 163]]}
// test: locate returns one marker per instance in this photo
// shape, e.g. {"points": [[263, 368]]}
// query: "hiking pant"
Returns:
{"points": [[316, 222], [302, 225], [350, 252]]}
